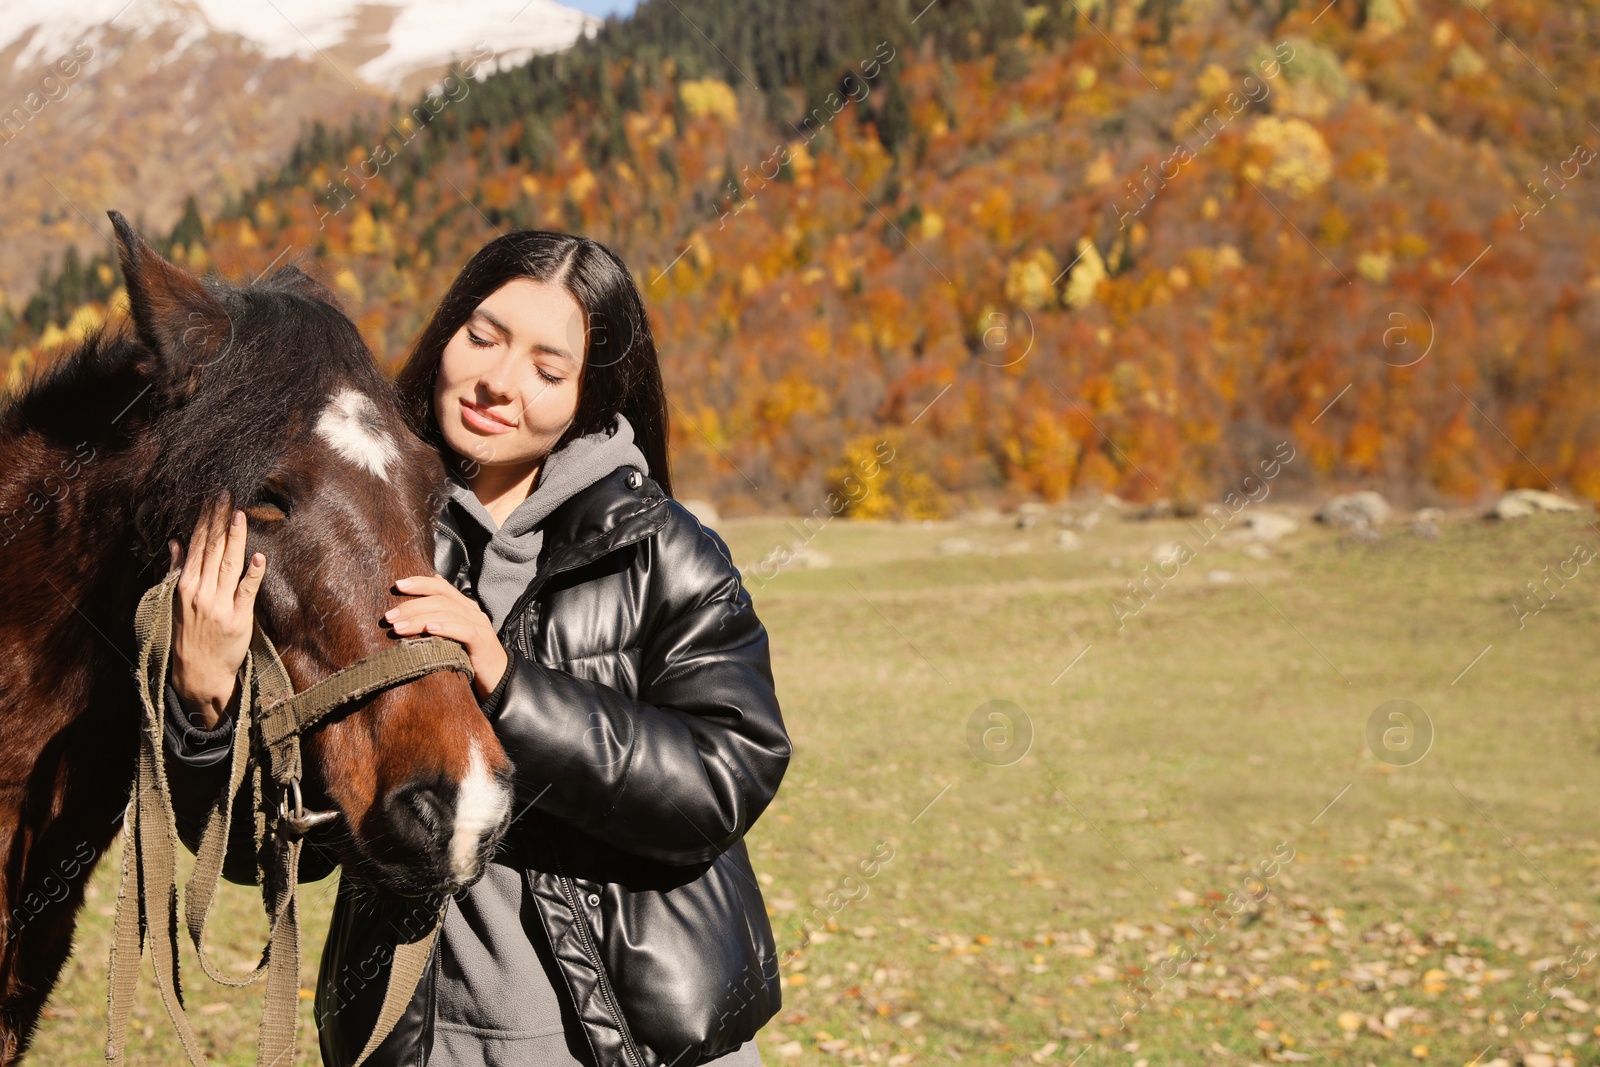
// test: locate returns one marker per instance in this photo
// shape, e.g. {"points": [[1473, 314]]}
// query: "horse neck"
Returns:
{"points": [[77, 452], [68, 710]]}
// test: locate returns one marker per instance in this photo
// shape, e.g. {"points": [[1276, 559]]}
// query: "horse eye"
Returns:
{"points": [[269, 506]]}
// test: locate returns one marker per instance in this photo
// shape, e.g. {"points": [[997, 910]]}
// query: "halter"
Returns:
{"points": [[266, 745]]}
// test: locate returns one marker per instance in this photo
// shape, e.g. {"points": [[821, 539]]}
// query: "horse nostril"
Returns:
{"points": [[445, 827], [421, 816]]}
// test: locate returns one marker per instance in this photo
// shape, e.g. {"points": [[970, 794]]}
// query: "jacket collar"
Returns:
{"points": [[619, 509], [623, 507]]}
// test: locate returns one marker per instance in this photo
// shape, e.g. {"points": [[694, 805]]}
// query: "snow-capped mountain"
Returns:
{"points": [[136, 104], [394, 45]]}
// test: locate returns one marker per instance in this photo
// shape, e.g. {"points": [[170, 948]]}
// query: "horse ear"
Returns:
{"points": [[184, 327]]}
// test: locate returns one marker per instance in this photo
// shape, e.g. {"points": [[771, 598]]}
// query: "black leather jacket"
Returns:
{"points": [[639, 712]]}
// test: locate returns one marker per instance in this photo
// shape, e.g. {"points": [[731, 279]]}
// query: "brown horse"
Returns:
{"points": [[265, 391]]}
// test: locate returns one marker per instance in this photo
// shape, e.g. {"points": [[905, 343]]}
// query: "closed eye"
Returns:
{"points": [[483, 342]]}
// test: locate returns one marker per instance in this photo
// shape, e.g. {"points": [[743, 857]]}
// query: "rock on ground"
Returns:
{"points": [[1520, 503], [1267, 526], [1425, 523], [1167, 554], [1355, 510]]}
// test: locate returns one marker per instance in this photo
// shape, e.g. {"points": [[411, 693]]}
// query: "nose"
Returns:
{"points": [[496, 378], [447, 827]]}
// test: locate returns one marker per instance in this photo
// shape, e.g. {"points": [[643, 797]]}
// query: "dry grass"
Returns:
{"points": [[1423, 915]]}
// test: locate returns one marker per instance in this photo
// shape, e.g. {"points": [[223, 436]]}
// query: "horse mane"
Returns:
{"points": [[244, 409], [97, 357]]}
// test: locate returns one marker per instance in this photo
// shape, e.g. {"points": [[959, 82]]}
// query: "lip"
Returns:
{"points": [[477, 419]]}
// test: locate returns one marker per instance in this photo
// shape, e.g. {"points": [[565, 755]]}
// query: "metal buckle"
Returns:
{"points": [[300, 821]]}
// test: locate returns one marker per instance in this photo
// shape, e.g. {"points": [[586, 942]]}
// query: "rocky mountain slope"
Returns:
{"points": [[137, 105]]}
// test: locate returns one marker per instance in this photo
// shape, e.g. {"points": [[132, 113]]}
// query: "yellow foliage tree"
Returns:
{"points": [[876, 477], [709, 96], [1301, 159], [1087, 274], [1030, 280]]}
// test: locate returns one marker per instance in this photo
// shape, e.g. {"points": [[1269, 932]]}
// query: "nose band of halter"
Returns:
{"points": [[266, 748], [282, 715]]}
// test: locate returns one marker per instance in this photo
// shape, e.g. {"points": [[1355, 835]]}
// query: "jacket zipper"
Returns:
{"points": [[530, 619], [453, 536], [466, 562], [581, 920], [466, 557], [630, 1051], [528, 594], [543, 576]]}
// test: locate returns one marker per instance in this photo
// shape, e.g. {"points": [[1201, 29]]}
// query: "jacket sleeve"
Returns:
{"points": [[197, 772], [679, 774]]}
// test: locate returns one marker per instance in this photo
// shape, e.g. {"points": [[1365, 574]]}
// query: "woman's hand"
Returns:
{"points": [[445, 611], [214, 612]]}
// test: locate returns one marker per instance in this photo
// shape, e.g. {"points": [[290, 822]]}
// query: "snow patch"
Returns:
{"points": [[422, 35]]}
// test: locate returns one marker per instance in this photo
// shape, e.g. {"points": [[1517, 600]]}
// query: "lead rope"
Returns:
{"points": [[266, 746]]}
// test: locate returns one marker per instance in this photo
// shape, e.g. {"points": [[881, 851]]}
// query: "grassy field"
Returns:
{"points": [[1095, 892]]}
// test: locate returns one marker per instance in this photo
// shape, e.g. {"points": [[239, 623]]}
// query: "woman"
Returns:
{"points": [[616, 654]]}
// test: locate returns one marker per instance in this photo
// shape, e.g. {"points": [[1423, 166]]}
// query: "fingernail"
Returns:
{"points": [[238, 517], [389, 614]]}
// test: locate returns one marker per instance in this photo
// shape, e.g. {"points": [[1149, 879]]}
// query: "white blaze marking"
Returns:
{"points": [[481, 803], [350, 423]]}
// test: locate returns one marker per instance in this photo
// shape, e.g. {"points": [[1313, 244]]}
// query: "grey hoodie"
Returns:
{"points": [[494, 1003], [513, 550]]}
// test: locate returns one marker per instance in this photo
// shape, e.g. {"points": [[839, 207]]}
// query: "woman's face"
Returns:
{"points": [[508, 380]]}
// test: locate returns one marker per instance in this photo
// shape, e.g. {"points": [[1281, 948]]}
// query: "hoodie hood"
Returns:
{"points": [[510, 557]]}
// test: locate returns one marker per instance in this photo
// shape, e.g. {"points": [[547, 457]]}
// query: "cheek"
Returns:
{"points": [[455, 364], [549, 405], [338, 762], [276, 604], [563, 407], [445, 384]]}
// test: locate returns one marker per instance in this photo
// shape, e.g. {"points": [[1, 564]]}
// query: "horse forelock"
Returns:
{"points": [[289, 356]]}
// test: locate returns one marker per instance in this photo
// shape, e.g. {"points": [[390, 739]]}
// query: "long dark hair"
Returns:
{"points": [[620, 370]]}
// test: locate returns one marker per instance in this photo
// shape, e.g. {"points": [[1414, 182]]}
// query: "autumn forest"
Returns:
{"points": [[1039, 249]]}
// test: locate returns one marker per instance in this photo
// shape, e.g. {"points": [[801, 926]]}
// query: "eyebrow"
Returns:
{"points": [[503, 328]]}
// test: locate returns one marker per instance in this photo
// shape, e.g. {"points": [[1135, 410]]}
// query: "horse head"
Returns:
{"points": [[267, 392]]}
